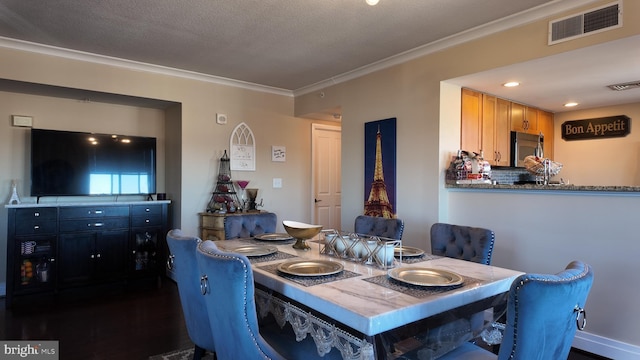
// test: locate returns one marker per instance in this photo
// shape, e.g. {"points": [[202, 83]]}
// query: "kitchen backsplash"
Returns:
{"points": [[510, 175]]}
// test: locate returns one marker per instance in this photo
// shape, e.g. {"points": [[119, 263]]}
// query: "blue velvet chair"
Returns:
{"points": [[465, 243], [249, 225], [228, 289], [183, 263], [462, 242], [379, 226], [543, 313]]}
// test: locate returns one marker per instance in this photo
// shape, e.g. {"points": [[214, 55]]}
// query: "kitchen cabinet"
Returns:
{"points": [[471, 121], [495, 130], [54, 248], [485, 126], [487, 122], [524, 118], [545, 126], [502, 132]]}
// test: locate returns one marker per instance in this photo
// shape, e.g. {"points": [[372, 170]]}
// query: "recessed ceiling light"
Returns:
{"points": [[511, 84], [372, 2], [571, 104]]}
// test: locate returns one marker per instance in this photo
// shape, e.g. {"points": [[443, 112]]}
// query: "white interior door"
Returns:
{"points": [[326, 153]]}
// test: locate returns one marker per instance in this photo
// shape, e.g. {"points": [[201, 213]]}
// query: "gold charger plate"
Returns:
{"points": [[425, 276], [273, 237], [310, 267], [254, 250], [408, 251]]}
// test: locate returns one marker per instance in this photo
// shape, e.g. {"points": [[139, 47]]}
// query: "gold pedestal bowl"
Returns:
{"points": [[301, 232]]}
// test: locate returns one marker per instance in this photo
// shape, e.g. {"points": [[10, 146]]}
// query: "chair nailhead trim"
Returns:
{"points": [[244, 299], [520, 285]]}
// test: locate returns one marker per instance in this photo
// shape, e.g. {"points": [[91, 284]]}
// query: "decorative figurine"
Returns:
{"points": [[15, 200]]}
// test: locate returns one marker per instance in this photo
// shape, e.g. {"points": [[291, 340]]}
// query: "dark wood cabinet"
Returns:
{"points": [[90, 257], [148, 249], [59, 247]]}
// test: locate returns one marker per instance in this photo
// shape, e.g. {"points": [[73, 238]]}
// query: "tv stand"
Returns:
{"points": [[57, 248]]}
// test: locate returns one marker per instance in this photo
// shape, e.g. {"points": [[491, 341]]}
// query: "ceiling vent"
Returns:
{"points": [[625, 86], [596, 20]]}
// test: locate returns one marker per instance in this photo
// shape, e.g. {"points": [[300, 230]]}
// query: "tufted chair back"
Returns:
{"points": [[543, 314], [462, 242], [227, 287], [249, 225], [379, 226], [183, 263]]}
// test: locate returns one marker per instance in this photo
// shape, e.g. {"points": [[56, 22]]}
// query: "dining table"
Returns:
{"points": [[358, 306]]}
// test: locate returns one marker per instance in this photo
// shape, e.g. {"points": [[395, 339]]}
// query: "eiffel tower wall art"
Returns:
{"points": [[380, 168]]}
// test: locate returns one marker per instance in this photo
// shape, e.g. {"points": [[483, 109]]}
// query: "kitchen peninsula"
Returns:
{"points": [[627, 190]]}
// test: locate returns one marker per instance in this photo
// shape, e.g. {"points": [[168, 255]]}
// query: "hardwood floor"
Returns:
{"points": [[116, 325]]}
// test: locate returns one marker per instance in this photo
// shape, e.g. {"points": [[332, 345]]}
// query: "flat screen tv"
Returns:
{"points": [[66, 163]]}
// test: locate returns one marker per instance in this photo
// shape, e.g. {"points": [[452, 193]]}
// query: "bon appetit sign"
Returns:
{"points": [[598, 128]]}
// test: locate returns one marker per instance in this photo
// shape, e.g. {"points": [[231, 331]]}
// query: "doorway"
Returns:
{"points": [[326, 175]]}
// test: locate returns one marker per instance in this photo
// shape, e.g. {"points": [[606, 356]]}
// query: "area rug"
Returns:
{"points": [[184, 354]]}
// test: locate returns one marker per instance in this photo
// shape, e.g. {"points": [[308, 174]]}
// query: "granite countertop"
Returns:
{"points": [[554, 187]]}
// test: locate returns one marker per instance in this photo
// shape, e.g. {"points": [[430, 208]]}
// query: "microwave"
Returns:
{"points": [[523, 145]]}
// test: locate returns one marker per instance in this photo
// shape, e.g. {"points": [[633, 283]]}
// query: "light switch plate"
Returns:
{"points": [[21, 120], [277, 183], [221, 119]]}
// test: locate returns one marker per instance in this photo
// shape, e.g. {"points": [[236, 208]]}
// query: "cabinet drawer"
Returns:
{"points": [[82, 212], [140, 210], [36, 227], [109, 223], [142, 221], [212, 221], [40, 214]]}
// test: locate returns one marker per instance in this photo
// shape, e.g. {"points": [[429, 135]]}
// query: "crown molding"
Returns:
{"points": [[134, 65], [525, 17], [506, 23]]}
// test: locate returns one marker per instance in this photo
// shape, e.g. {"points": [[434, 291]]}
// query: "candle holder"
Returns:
{"points": [[242, 184]]}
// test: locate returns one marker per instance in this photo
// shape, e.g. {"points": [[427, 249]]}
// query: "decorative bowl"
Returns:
{"points": [[301, 232]]}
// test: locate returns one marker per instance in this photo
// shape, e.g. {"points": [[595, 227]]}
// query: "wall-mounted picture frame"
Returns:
{"points": [[243, 148], [380, 168], [278, 153]]}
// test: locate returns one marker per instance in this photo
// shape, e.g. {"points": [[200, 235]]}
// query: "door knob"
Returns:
{"points": [[316, 200]]}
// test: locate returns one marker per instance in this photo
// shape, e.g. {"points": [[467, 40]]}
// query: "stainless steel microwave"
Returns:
{"points": [[523, 145]]}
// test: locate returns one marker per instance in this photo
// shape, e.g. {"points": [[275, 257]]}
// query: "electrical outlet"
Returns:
{"points": [[277, 183]]}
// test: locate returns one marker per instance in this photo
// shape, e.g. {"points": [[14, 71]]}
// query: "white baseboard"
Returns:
{"points": [[612, 349]]}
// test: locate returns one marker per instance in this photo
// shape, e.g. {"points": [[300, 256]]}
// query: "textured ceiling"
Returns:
{"points": [[296, 46], [286, 44]]}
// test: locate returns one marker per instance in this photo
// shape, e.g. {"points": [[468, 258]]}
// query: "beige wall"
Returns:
{"points": [[612, 161], [427, 109]]}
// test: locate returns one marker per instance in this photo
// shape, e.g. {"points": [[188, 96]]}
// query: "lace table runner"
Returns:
{"points": [[309, 280], [324, 334], [416, 290]]}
